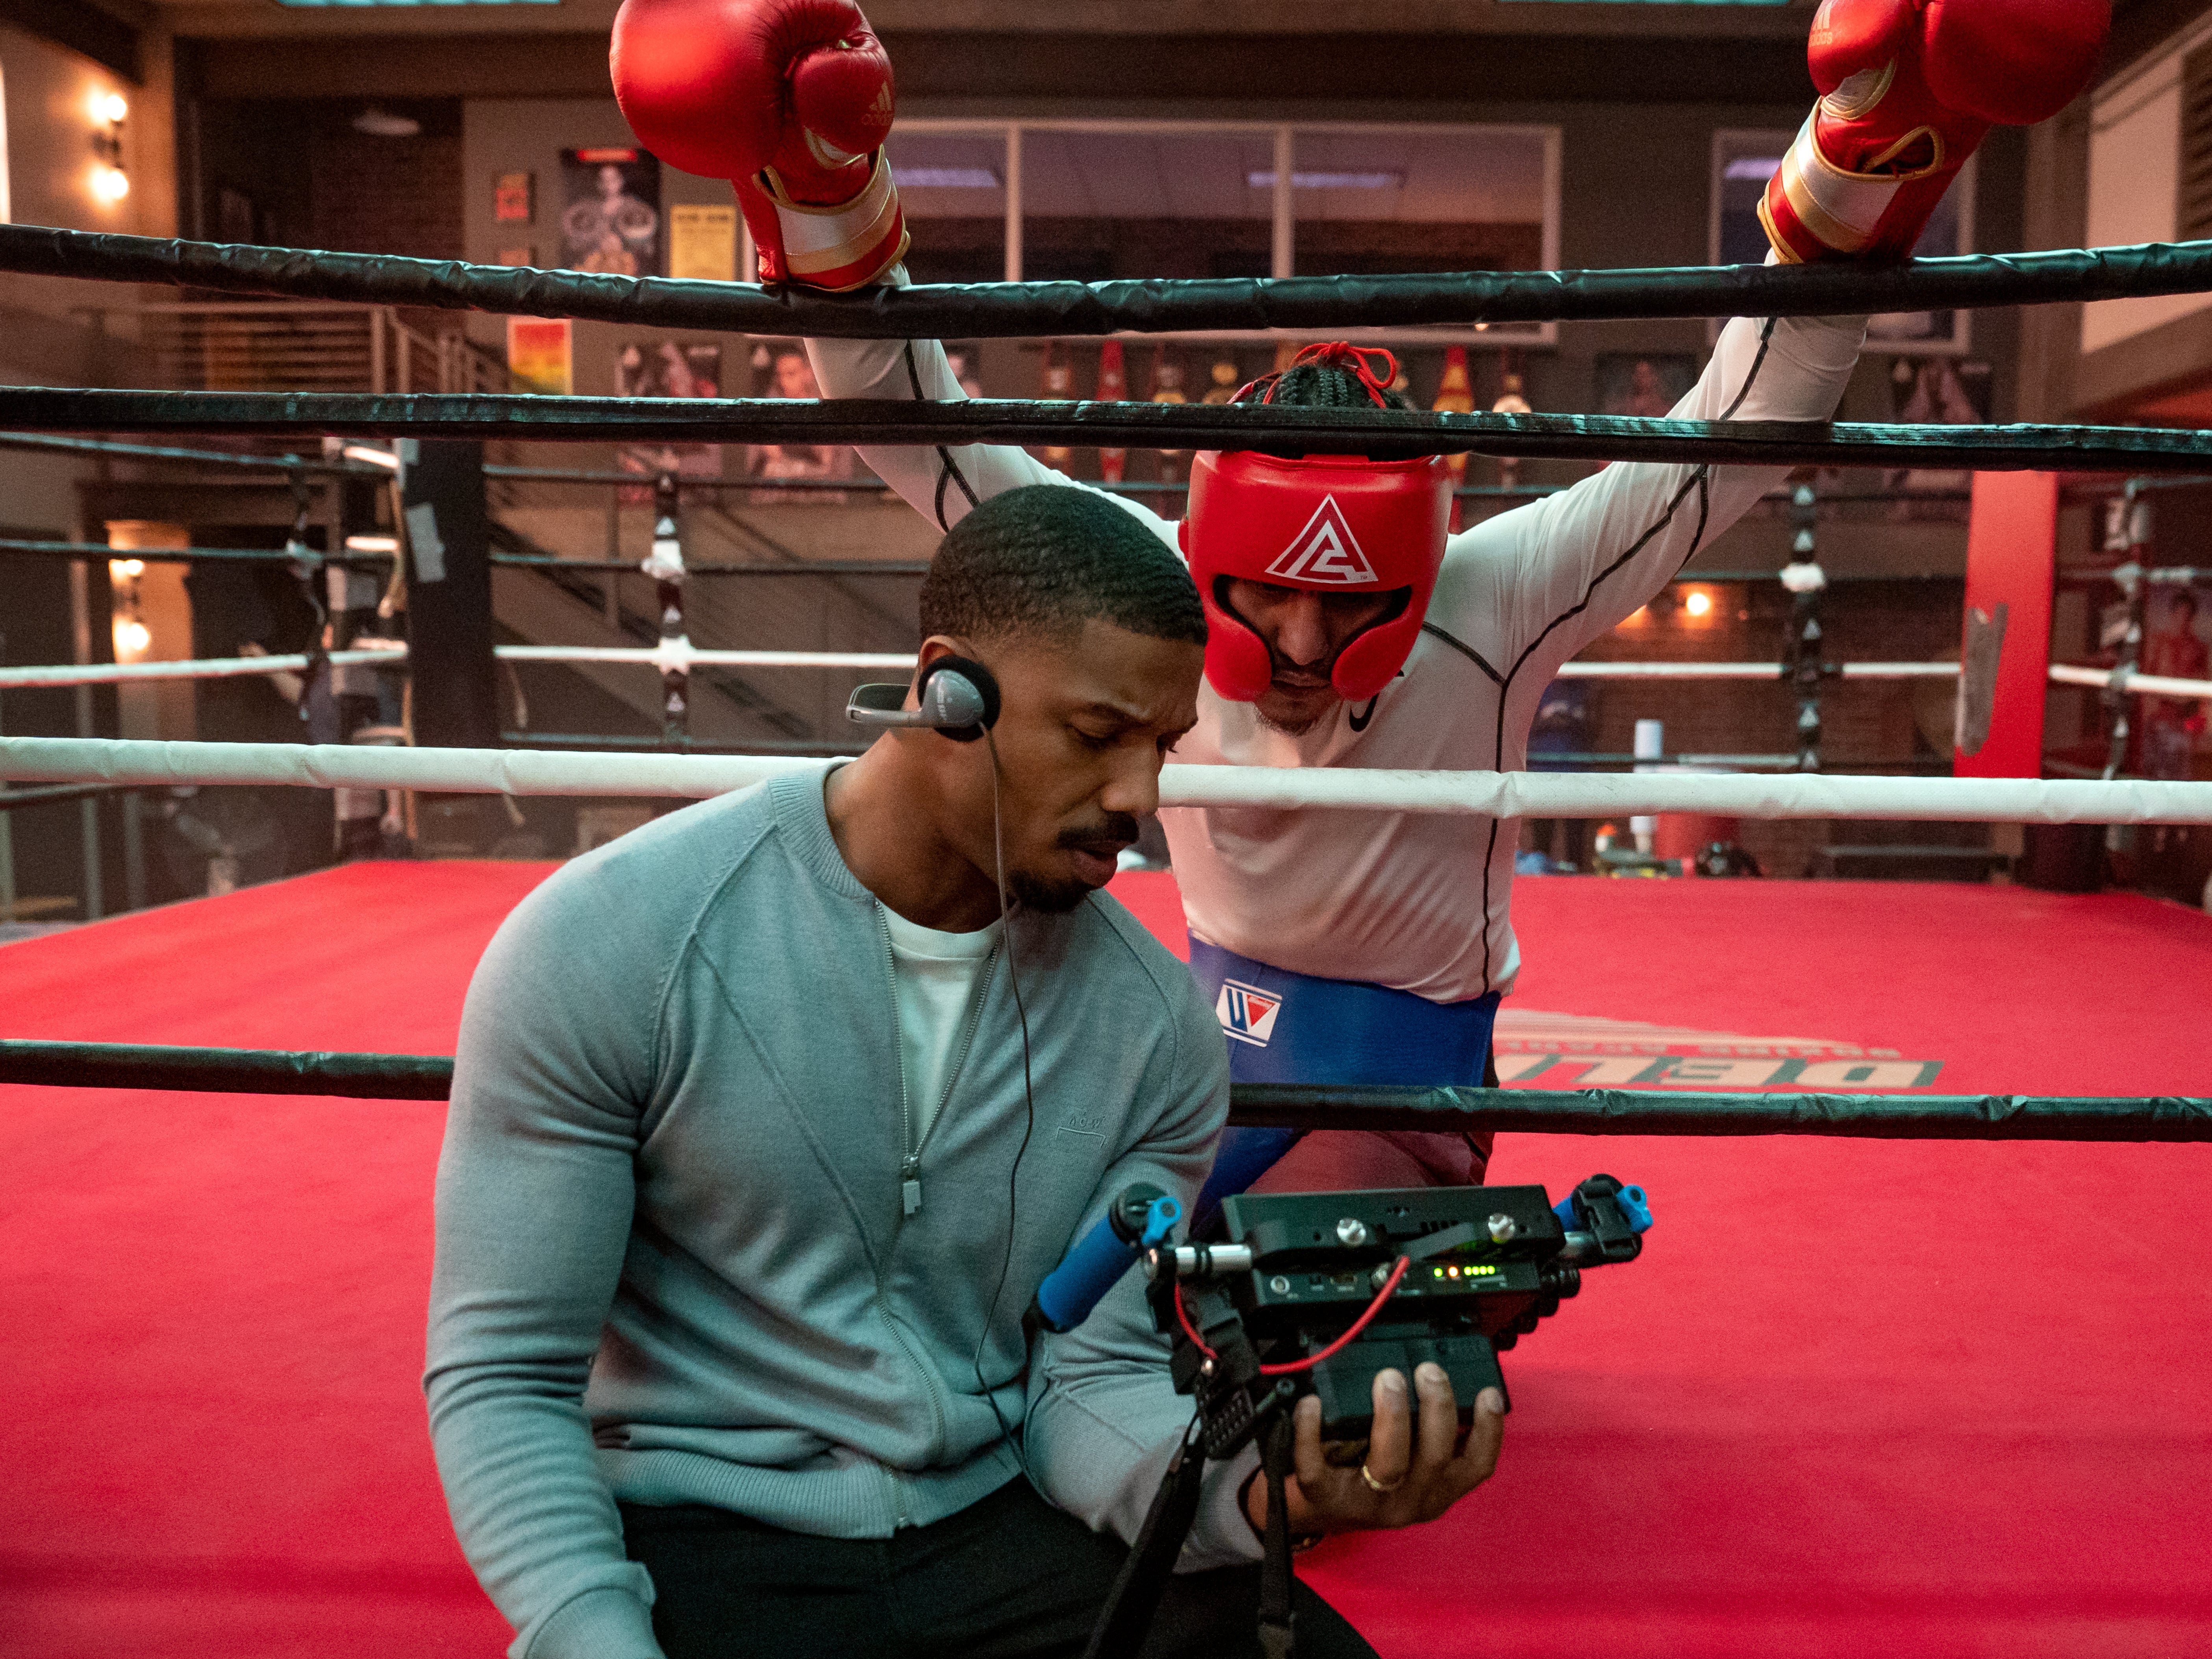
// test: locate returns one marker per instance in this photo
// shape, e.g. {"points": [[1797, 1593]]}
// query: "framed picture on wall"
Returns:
{"points": [[667, 368], [1643, 382], [1744, 158], [611, 221], [513, 200], [539, 354]]}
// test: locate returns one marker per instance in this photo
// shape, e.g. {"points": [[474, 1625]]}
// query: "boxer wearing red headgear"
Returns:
{"points": [[1349, 630], [1339, 525]]}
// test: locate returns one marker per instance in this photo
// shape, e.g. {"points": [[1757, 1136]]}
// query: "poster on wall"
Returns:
{"points": [[667, 368], [537, 354], [702, 243], [512, 198], [1935, 391], [788, 374], [611, 219], [1643, 382]]}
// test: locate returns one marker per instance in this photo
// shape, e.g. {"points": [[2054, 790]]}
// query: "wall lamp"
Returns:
{"points": [[110, 183]]}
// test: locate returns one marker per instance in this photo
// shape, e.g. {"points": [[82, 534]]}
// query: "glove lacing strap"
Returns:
{"points": [[1700, 481], [948, 470]]}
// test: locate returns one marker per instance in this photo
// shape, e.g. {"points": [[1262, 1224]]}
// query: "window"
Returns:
{"points": [[1093, 201], [952, 189], [1370, 202], [1099, 205], [1744, 160]]}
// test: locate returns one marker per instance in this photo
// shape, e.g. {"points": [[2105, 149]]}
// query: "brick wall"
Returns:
{"points": [[386, 195]]}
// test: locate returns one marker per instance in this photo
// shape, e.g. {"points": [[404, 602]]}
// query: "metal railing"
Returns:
{"points": [[297, 346]]}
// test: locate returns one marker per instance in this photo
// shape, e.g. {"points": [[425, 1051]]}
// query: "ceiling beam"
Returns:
{"points": [[1370, 69], [82, 27]]}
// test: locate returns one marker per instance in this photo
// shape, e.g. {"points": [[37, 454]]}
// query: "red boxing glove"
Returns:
{"points": [[1908, 87], [788, 100]]}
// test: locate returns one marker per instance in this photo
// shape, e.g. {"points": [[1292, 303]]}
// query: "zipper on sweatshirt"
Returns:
{"points": [[910, 1145], [910, 1159]]}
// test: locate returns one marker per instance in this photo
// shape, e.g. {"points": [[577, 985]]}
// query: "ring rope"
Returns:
{"points": [[1018, 310], [201, 668], [143, 764], [2124, 678], [1303, 1106], [306, 558], [12, 798], [1581, 670], [74, 446], [678, 655], [1275, 429]]}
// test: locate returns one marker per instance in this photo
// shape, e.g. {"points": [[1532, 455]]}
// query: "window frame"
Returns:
{"points": [[1501, 336]]}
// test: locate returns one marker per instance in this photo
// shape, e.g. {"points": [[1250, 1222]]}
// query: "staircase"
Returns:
{"points": [[292, 346], [288, 346]]}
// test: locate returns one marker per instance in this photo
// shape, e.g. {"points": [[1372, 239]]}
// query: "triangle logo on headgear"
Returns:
{"points": [[1326, 550]]}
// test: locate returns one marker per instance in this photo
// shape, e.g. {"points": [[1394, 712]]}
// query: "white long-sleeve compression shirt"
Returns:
{"points": [[1419, 902]]}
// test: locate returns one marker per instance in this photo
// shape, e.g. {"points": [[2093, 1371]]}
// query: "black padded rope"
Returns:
{"points": [[290, 464], [101, 550], [1016, 310], [1302, 1106], [1682, 1112], [1274, 430], [227, 1071]]}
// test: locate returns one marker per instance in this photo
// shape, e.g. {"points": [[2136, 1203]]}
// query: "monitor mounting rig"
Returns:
{"points": [[1317, 1294]]}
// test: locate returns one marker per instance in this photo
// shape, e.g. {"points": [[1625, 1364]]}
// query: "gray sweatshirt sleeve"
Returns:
{"points": [[1104, 1419], [534, 1199]]}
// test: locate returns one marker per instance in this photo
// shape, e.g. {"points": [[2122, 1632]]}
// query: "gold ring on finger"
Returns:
{"points": [[1375, 1486]]}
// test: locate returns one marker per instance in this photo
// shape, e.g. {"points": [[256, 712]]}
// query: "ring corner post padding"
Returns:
{"points": [[2012, 551], [449, 631]]}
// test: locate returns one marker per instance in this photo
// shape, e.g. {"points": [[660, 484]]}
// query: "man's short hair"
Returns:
{"points": [[1045, 559]]}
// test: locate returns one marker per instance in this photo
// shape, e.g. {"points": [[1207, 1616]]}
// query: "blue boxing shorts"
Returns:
{"points": [[1282, 1027]]}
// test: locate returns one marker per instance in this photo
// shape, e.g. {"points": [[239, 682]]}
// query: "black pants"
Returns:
{"points": [[1010, 1576]]}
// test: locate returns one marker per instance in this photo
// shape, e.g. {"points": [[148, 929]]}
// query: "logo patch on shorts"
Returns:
{"points": [[1246, 1013], [1325, 551]]}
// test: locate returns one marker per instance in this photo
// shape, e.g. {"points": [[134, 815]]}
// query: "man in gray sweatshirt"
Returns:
{"points": [[768, 1119]]}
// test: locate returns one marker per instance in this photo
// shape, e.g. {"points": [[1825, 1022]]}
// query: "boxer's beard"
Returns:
{"points": [[1316, 678], [1107, 837]]}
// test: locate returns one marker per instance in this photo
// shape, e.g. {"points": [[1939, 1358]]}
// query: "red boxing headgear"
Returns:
{"points": [[1333, 524]]}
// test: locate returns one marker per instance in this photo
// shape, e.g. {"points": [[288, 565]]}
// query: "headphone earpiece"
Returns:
{"points": [[959, 697]]}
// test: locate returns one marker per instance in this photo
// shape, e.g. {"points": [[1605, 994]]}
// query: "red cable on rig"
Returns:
{"points": [[1357, 1326], [1183, 1318]]}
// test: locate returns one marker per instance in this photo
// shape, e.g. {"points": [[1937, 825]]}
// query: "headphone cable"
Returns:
{"points": [[1029, 1104]]}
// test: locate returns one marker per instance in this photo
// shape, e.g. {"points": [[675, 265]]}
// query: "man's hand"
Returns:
{"points": [[1421, 1472]]}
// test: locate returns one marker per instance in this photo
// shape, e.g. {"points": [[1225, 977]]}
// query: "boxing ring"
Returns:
{"points": [[1941, 1396]]}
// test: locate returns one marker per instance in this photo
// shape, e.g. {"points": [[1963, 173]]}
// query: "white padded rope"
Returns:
{"points": [[1494, 794], [2151, 685], [199, 668], [332, 766], [680, 655], [1749, 671]]}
